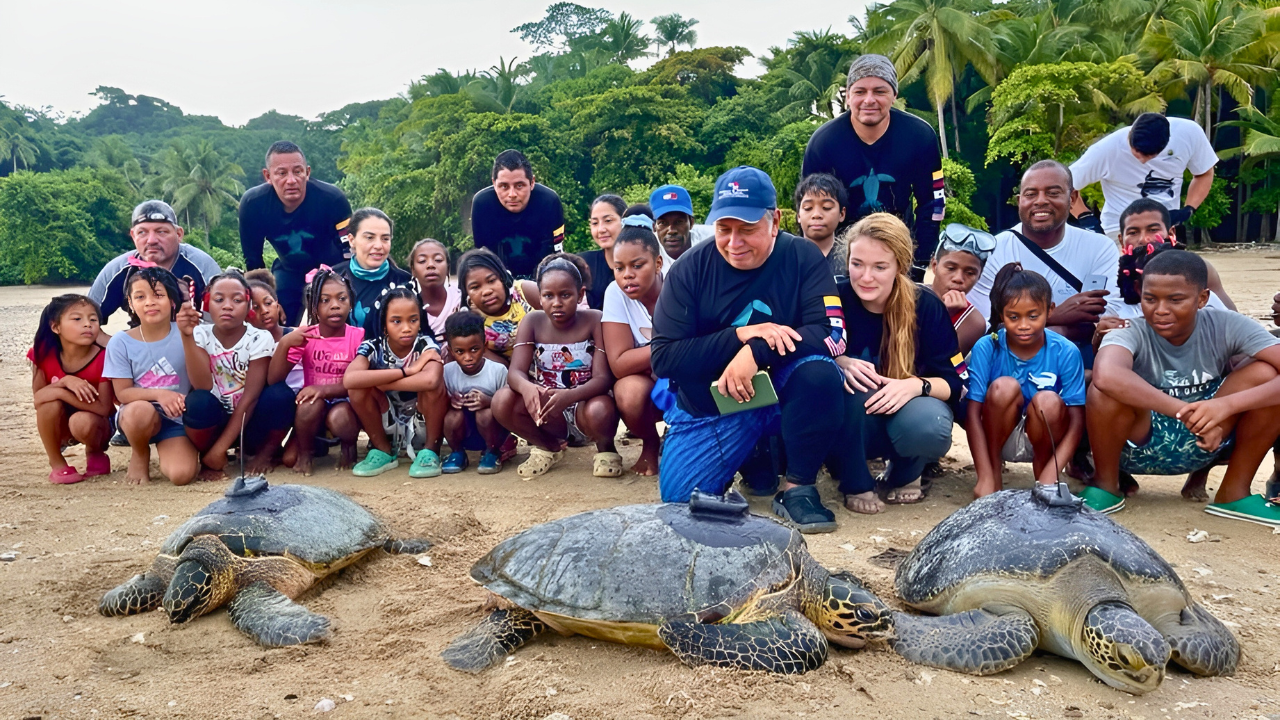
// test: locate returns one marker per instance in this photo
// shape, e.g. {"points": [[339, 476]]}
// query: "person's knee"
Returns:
{"points": [[632, 394], [1003, 391], [86, 426], [1048, 402], [276, 406], [180, 470], [1097, 398], [815, 380], [137, 415], [203, 411], [927, 424], [342, 421]]}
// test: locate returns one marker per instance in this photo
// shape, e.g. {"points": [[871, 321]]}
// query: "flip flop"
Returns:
{"points": [[895, 496], [1254, 509], [66, 476]]}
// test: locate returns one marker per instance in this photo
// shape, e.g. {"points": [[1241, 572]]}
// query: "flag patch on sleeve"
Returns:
{"points": [[835, 318]]}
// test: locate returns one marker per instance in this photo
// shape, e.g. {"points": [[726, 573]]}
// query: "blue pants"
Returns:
{"points": [[705, 452], [911, 438]]}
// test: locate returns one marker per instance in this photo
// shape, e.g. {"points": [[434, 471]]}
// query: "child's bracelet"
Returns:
{"points": [[403, 373]]}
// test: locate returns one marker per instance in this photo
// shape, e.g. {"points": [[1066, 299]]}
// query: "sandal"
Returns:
{"points": [[851, 501], [66, 476], [908, 494], [540, 461], [96, 464], [606, 465], [802, 507]]}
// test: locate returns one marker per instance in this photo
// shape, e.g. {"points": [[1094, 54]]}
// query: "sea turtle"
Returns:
{"points": [[708, 581], [257, 548], [1024, 569]]}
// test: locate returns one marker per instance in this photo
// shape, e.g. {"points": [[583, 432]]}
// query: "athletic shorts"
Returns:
{"points": [[1170, 449]]}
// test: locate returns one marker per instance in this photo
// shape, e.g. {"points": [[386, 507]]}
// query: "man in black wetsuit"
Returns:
{"points": [[885, 157], [517, 218], [754, 299], [305, 220]]}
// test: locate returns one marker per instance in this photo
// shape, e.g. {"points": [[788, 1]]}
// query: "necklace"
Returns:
{"points": [[142, 332]]}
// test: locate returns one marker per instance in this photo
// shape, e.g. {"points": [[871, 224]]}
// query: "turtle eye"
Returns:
{"points": [[864, 615]]}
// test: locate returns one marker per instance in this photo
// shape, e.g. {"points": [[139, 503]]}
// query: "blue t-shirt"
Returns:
{"points": [[1057, 367]]}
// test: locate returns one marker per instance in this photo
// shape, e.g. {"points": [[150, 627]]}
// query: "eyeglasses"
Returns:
{"points": [[962, 237]]}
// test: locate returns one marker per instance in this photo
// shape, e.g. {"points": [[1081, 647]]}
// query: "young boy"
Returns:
{"points": [[962, 254], [471, 381], [1026, 386], [1165, 401], [820, 206]]}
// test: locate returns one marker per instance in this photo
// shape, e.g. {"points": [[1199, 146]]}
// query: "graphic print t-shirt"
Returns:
{"points": [[381, 357], [158, 365], [230, 365], [521, 239], [1056, 368], [324, 360], [500, 330], [1124, 178], [1193, 370], [491, 378], [310, 235], [563, 365]]}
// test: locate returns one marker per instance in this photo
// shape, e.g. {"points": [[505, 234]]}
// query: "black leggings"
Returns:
{"points": [[273, 412], [812, 402]]}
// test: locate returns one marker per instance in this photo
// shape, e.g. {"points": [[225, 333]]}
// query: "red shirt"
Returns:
{"points": [[53, 370]]}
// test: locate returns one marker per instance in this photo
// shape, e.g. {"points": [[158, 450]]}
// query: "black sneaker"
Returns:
{"points": [[801, 506], [119, 440]]}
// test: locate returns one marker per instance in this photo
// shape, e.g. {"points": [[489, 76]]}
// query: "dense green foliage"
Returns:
{"points": [[1005, 83]]}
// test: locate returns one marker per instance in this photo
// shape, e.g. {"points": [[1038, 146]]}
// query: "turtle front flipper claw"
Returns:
{"points": [[1201, 643], [274, 620], [139, 594], [977, 642], [502, 632], [786, 643]]}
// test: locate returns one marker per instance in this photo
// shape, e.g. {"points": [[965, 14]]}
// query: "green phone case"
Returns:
{"points": [[764, 396]]}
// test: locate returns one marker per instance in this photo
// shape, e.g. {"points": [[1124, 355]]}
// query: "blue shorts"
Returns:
{"points": [[169, 428], [1170, 449]]}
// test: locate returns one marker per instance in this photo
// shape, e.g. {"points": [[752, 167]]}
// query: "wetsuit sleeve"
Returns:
{"points": [[251, 238], [108, 289], [341, 218], [821, 317], [482, 231], [557, 232], [678, 352], [929, 189]]}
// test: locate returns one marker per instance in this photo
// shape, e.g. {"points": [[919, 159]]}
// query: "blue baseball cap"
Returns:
{"points": [[743, 193], [670, 198]]}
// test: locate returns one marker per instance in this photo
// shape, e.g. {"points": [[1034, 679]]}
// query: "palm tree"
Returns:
{"points": [[114, 153], [198, 181], [497, 88], [673, 30], [812, 70], [16, 146], [1211, 44], [622, 40], [1260, 144], [938, 38]]}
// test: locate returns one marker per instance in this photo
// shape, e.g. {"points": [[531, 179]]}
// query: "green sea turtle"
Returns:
{"points": [[1024, 569], [256, 549], [708, 581]]}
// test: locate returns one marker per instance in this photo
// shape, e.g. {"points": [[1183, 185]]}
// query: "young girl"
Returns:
{"points": [[568, 397], [370, 270], [500, 299], [268, 313], [227, 362], [395, 382], [74, 402], [957, 265], [627, 325], [429, 264], [148, 370], [1026, 385], [606, 223], [326, 347]]}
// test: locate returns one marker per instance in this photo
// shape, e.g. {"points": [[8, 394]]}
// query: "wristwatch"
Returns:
{"points": [[925, 388]]}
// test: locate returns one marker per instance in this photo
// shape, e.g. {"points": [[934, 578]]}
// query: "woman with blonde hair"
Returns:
{"points": [[899, 367]]}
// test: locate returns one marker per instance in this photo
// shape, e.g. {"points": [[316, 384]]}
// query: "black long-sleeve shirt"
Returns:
{"points": [[937, 349], [521, 239], [885, 175], [704, 300], [310, 235]]}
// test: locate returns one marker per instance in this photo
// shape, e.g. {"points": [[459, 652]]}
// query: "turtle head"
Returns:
{"points": [[849, 614], [202, 580], [1122, 649]]}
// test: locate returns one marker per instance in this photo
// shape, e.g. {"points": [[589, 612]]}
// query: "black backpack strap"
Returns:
{"points": [[1047, 259]]}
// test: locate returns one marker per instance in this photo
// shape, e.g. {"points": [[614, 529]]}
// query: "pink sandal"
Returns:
{"points": [[66, 476], [97, 464]]}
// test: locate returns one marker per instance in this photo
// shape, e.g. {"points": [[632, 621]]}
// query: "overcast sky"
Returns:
{"points": [[237, 59]]}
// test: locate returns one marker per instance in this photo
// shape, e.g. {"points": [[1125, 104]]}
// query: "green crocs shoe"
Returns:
{"points": [[425, 465], [1101, 500], [1254, 509], [375, 463]]}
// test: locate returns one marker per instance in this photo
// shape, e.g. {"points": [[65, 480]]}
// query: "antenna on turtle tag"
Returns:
{"points": [[729, 506], [242, 485], [1060, 495]]}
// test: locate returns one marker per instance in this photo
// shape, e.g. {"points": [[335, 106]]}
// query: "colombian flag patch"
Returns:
{"points": [[835, 318]]}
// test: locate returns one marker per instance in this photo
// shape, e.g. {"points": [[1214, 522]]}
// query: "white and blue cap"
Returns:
{"points": [[743, 193], [670, 198]]}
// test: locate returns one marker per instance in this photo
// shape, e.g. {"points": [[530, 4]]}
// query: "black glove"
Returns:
{"points": [[1089, 221], [1181, 215]]}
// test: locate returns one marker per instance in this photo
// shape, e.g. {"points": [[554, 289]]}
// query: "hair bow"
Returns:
{"points": [[138, 262], [638, 221], [312, 274]]}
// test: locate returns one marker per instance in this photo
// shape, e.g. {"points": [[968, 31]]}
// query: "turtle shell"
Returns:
{"points": [[314, 524], [640, 563], [1016, 534]]}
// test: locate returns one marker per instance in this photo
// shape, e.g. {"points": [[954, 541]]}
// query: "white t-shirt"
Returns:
{"points": [[1125, 179], [491, 378], [1081, 252], [618, 308], [230, 365], [1130, 312]]}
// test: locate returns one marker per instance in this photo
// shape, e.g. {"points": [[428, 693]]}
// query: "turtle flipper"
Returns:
{"points": [[406, 546], [978, 642], [1201, 643], [273, 619], [787, 643], [138, 594], [502, 632]]}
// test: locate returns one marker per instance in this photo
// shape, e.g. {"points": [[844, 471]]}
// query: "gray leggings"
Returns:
{"points": [[911, 438]]}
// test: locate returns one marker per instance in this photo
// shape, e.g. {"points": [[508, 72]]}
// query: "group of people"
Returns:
{"points": [[765, 354]]}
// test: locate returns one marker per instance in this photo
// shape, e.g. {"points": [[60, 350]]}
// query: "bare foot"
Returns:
{"points": [[262, 463], [908, 494], [302, 465], [647, 464], [208, 474], [139, 472], [1128, 485], [983, 488], [347, 457], [1193, 489], [866, 503]]}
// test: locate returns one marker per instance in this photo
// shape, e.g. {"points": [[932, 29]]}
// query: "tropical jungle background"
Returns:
{"points": [[1005, 84]]}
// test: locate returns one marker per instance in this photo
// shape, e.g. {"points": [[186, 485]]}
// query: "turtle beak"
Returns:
{"points": [[189, 592]]}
